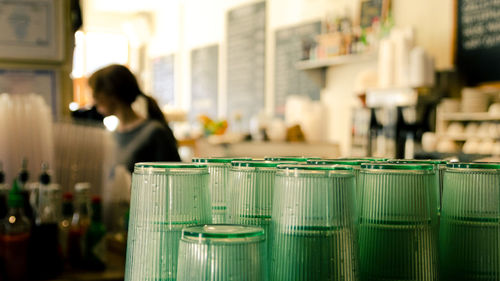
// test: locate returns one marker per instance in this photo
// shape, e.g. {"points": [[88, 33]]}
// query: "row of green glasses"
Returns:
{"points": [[312, 214]]}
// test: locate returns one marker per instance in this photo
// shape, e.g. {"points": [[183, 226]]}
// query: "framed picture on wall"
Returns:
{"points": [[42, 81], [373, 9], [31, 30]]}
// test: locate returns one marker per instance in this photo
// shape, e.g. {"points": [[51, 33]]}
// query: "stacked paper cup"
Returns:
{"points": [[26, 130], [474, 100]]}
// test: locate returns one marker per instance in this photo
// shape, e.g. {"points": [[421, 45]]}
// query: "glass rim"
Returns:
{"points": [[219, 159], [259, 164], [305, 167], [369, 159], [245, 231], [474, 165], [418, 161], [395, 166], [168, 165], [289, 158], [336, 161]]}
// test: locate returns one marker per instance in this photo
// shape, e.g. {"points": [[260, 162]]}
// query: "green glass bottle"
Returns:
{"points": [[14, 237], [79, 224], [95, 238], [4, 192]]}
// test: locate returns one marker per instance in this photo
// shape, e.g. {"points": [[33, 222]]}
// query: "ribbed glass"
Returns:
{"points": [[355, 164], [250, 195], [166, 197], [218, 169], [470, 222], [313, 233], [291, 158], [368, 159], [439, 165], [398, 228], [222, 253]]}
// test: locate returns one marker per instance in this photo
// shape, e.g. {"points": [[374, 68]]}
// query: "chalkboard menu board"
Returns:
{"points": [[370, 10], [478, 40], [163, 79], [246, 41], [289, 80], [204, 78]]}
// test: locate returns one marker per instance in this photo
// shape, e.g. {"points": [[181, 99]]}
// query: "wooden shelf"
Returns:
{"points": [[473, 116], [334, 61], [464, 137], [453, 137]]}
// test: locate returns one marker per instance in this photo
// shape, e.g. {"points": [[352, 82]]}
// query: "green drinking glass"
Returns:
{"points": [[218, 169], [397, 222], [366, 159], [355, 164], [166, 197], [290, 158], [439, 166], [313, 224], [250, 195], [470, 222], [222, 252]]}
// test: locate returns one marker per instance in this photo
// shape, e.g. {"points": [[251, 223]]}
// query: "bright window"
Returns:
{"points": [[94, 50]]}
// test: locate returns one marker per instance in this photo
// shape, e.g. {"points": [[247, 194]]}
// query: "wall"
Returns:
{"points": [[62, 68], [179, 26]]}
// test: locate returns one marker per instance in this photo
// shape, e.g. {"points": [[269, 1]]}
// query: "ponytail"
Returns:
{"points": [[154, 111]]}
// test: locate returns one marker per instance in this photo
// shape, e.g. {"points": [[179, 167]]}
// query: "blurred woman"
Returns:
{"points": [[138, 139]]}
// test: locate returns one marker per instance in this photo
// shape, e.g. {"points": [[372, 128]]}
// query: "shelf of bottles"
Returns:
{"points": [[44, 232]]}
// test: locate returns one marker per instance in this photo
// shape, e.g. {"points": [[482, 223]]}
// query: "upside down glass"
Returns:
{"points": [[355, 164], [218, 169], [166, 197], [313, 233], [439, 165], [470, 222], [222, 252], [366, 159], [250, 195], [398, 222], [291, 158]]}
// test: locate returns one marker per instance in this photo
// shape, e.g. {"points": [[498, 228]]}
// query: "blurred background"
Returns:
{"points": [[325, 78]]}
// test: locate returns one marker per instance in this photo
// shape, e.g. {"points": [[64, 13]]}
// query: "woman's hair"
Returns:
{"points": [[117, 81]]}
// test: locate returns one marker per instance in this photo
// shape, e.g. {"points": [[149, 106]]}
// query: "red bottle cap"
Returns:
{"points": [[96, 199], [68, 196]]}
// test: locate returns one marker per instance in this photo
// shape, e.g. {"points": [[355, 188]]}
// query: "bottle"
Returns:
{"points": [[373, 133], [4, 192], [22, 180], [95, 239], [79, 225], [45, 258], [14, 237], [65, 223]]}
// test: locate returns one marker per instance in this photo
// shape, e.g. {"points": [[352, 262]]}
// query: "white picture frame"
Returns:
{"points": [[42, 81], [31, 30]]}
